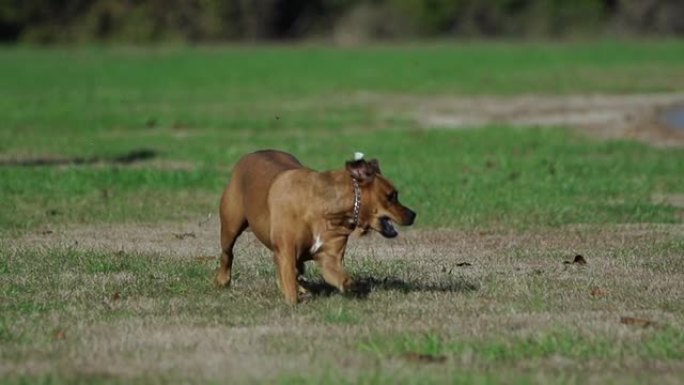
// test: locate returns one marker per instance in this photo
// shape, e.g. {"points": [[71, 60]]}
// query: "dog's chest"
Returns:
{"points": [[317, 244]]}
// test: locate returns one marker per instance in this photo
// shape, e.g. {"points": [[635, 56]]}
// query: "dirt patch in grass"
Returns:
{"points": [[674, 200], [200, 239], [131, 157], [603, 116], [190, 239], [140, 158]]}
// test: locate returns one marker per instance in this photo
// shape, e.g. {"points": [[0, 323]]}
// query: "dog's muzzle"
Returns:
{"points": [[387, 230]]}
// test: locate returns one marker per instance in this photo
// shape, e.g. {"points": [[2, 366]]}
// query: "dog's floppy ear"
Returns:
{"points": [[375, 164], [362, 171]]}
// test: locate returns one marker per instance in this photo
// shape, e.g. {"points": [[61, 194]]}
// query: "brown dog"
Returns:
{"points": [[302, 215]]}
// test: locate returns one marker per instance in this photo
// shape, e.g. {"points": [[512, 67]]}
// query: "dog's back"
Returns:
{"points": [[253, 176]]}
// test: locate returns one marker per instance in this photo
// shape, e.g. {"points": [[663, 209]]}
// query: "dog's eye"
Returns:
{"points": [[393, 197]]}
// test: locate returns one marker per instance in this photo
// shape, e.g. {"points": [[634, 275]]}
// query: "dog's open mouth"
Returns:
{"points": [[386, 228]]}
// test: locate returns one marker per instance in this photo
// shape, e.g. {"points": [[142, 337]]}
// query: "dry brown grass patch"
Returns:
{"points": [[515, 288]]}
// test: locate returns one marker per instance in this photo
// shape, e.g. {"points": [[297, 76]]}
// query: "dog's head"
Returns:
{"points": [[380, 204]]}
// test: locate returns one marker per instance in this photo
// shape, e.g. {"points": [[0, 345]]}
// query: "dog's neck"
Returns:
{"points": [[342, 211]]}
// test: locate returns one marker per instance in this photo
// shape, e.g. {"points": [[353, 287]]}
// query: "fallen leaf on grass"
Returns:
{"points": [[637, 322], [184, 235], [579, 260], [178, 125], [424, 358], [116, 296], [460, 264], [597, 292], [59, 334]]}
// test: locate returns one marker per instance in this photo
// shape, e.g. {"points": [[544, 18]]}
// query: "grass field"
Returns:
{"points": [[106, 264]]}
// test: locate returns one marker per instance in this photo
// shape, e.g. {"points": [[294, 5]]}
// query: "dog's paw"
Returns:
{"points": [[305, 297], [302, 289], [222, 280]]}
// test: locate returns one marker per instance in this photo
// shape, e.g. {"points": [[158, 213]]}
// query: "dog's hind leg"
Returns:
{"points": [[285, 258], [229, 234], [233, 223]]}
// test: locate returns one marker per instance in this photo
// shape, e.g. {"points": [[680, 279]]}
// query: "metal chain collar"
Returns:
{"points": [[357, 203]]}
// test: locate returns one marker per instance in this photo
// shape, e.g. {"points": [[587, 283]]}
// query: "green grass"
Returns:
{"points": [[133, 311], [91, 91], [484, 178], [656, 344], [202, 108], [121, 90]]}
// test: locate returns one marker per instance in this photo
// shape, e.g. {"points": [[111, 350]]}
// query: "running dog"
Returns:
{"points": [[301, 214]]}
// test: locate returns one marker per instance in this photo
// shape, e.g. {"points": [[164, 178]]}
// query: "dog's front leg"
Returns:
{"points": [[286, 263], [333, 270]]}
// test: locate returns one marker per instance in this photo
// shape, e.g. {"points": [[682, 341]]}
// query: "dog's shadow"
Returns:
{"points": [[363, 286]]}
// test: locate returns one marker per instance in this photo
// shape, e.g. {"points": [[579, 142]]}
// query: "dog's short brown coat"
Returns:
{"points": [[301, 214]]}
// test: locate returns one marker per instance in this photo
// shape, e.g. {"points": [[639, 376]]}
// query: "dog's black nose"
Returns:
{"points": [[411, 217]]}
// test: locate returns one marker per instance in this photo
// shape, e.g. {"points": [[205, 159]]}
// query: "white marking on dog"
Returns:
{"points": [[317, 244], [358, 155]]}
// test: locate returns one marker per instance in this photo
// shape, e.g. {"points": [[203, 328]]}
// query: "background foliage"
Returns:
{"points": [[143, 21]]}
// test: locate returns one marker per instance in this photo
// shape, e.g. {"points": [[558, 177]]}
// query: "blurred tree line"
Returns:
{"points": [[140, 21]]}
